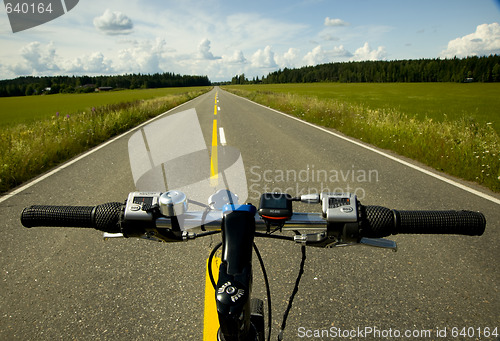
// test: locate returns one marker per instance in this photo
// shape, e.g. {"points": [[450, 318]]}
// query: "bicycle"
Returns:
{"points": [[165, 217]]}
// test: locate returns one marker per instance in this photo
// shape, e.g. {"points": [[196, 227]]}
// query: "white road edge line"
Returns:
{"points": [[420, 169], [69, 163], [222, 136]]}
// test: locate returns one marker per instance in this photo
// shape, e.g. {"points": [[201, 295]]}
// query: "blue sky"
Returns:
{"points": [[221, 38]]}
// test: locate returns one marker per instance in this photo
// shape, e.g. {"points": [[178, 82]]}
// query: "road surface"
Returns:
{"points": [[68, 284]]}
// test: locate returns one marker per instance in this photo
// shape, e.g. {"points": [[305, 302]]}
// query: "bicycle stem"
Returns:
{"points": [[234, 286]]}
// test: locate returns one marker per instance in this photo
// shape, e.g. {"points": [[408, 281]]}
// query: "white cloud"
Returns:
{"points": [[316, 56], [93, 64], [290, 58], [335, 22], [366, 53], [485, 41], [237, 58], [204, 50], [42, 59], [145, 57], [37, 59], [264, 58], [320, 56], [114, 23], [341, 52]]}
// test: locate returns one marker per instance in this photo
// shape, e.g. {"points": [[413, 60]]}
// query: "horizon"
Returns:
{"points": [[229, 80]]}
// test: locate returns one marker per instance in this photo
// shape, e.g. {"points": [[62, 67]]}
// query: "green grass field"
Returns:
{"points": [[439, 101], [451, 127], [37, 140], [28, 109]]}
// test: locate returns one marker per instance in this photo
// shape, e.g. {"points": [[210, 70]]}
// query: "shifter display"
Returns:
{"points": [[339, 207]]}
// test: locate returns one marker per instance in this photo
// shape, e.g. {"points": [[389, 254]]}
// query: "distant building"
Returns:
{"points": [[104, 88]]}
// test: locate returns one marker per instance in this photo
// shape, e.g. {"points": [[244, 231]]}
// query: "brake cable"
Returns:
{"points": [[210, 258], [294, 292]]}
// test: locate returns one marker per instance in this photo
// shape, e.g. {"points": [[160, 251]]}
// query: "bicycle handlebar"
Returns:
{"points": [[374, 221]]}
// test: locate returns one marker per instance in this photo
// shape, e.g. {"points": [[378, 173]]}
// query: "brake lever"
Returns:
{"points": [[157, 235], [380, 242], [324, 241], [107, 235]]}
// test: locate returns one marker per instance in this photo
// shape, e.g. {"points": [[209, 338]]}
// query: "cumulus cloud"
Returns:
{"points": [[485, 41], [340, 51], [237, 58], [94, 63], [335, 22], [114, 23], [320, 56], [145, 57], [204, 50], [264, 58], [42, 59], [367, 53], [316, 56], [37, 59], [289, 59]]}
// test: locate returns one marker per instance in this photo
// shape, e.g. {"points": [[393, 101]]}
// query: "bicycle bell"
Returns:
{"points": [[173, 203]]}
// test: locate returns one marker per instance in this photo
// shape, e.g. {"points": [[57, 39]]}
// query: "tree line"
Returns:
{"points": [[27, 86], [470, 69]]}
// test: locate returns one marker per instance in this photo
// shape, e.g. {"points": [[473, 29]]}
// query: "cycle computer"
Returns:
{"points": [[275, 206]]}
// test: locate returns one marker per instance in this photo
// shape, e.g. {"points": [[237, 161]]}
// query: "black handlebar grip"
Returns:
{"points": [[103, 217], [441, 222], [378, 222]]}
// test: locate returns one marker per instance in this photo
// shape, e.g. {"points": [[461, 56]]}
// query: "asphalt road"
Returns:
{"points": [[68, 284]]}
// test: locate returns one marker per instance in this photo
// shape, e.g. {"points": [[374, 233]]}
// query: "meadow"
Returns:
{"points": [[437, 101], [28, 109], [53, 135], [451, 127]]}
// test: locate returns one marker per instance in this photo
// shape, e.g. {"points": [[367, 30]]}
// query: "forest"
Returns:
{"points": [[27, 86], [471, 69]]}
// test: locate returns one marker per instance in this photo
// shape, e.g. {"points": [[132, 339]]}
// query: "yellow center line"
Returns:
{"points": [[214, 170], [215, 107], [213, 164]]}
